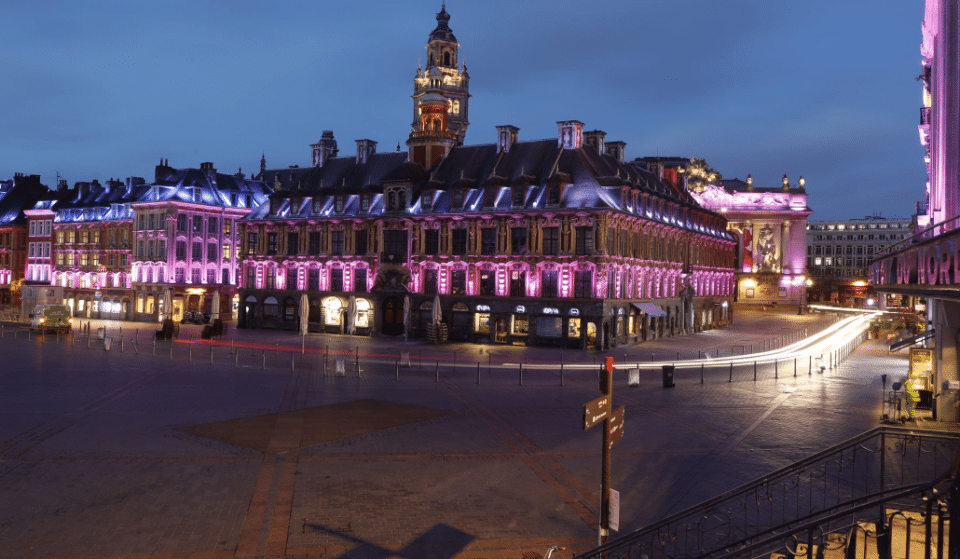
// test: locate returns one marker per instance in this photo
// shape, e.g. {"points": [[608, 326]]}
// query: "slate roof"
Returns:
{"points": [[590, 179], [17, 194]]}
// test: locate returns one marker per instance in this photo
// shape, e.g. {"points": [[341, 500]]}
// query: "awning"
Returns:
{"points": [[913, 339], [649, 308]]}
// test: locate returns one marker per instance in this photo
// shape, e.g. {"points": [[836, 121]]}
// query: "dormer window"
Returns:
{"points": [[457, 198], [426, 200], [338, 203], [365, 202], [490, 196], [519, 196], [396, 199], [275, 206], [317, 205], [553, 194]]}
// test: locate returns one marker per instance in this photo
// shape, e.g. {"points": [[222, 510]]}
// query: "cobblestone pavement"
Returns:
{"points": [[94, 461]]}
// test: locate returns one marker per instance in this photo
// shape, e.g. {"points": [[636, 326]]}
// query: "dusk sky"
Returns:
{"points": [[823, 89]]}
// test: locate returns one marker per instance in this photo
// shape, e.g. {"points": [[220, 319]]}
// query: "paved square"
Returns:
{"points": [[253, 447]]}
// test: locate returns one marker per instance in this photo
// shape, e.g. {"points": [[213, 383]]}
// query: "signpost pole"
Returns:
{"points": [[607, 387]]}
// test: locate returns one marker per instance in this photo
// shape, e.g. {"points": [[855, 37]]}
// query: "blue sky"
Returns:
{"points": [[823, 89]]}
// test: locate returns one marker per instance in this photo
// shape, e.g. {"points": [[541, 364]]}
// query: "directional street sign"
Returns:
{"points": [[616, 426], [595, 411]]}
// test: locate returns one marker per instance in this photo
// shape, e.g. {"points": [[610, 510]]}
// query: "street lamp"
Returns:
{"points": [[803, 294]]}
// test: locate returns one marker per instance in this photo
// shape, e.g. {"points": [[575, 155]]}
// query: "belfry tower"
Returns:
{"points": [[441, 95]]}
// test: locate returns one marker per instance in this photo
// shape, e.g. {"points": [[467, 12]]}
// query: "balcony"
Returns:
{"points": [[924, 116]]}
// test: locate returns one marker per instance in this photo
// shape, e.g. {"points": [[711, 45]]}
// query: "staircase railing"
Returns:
{"points": [[852, 494]]}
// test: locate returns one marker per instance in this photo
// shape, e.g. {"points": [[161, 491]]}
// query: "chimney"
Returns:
{"points": [[324, 149], [594, 139], [364, 149], [617, 150], [506, 137], [132, 182], [570, 134], [62, 185], [162, 171]]}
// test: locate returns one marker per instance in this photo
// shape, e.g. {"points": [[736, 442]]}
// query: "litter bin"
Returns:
{"points": [[668, 376]]}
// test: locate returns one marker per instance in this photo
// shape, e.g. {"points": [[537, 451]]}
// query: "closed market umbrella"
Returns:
{"points": [[437, 313], [304, 313], [215, 305], [352, 315], [167, 304]]}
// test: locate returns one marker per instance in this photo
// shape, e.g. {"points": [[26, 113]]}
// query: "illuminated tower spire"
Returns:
{"points": [[443, 76]]}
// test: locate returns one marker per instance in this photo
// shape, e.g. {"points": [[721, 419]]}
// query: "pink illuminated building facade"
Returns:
{"points": [[558, 241], [18, 238], [116, 248], [770, 225], [926, 266]]}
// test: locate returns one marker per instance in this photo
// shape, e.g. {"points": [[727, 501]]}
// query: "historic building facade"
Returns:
{"points": [[116, 247], [557, 241], [839, 251], [770, 226], [17, 239]]}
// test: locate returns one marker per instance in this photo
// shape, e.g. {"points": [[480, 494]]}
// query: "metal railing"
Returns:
{"points": [[838, 503]]}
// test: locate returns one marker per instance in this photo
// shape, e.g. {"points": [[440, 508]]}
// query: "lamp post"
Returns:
{"points": [[803, 294]]}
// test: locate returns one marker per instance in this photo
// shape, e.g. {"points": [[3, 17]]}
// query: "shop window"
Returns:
{"points": [[550, 326], [271, 308], [481, 323], [573, 328], [520, 325]]}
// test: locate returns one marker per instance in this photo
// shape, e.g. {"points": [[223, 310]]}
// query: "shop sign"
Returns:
{"points": [[520, 309], [550, 310], [483, 308], [574, 312], [932, 264]]}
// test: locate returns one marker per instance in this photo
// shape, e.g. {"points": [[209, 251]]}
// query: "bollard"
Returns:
{"points": [[731, 372], [292, 369], [263, 364], [794, 367], [398, 369], [701, 373], [136, 347], [277, 354], [28, 335], [88, 341], [754, 369], [236, 359], [478, 371], [356, 363], [190, 353], [521, 374], [211, 355], [438, 372], [121, 344], [561, 372], [776, 369], [810, 365]]}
